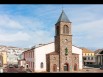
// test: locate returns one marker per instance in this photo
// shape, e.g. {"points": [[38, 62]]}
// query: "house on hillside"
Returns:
{"points": [[99, 56]]}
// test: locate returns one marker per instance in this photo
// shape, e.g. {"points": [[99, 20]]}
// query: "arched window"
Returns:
{"points": [[91, 58], [75, 67], [65, 29], [27, 66], [57, 30], [88, 58], [54, 68], [41, 65]]}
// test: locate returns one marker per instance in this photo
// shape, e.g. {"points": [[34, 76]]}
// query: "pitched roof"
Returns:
{"points": [[85, 50], [53, 53], [37, 46], [63, 17], [98, 51]]}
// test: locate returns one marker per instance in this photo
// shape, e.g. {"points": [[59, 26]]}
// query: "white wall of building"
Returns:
{"points": [[40, 56], [78, 51]]}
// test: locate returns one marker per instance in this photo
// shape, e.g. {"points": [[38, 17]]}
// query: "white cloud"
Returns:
{"points": [[91, 27], [41, 37], [87, 24], [89, 34], [19, 36], [34, 32], [84, 13], [7, 21]]}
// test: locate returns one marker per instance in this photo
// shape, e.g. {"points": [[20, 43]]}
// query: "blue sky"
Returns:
{"points": [[25, 25]]}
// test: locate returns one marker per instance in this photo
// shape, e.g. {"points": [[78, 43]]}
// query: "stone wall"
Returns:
{"points": [[54, 60], [75, 61]]}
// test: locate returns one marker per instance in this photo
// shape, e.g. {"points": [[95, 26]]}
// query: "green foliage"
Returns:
{"points": [[66, 51]]}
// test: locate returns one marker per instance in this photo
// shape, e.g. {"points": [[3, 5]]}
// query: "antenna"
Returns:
{"points": [[62, 7]]}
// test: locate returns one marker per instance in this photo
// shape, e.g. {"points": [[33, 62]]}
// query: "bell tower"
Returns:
{"points": [[63, 42]]}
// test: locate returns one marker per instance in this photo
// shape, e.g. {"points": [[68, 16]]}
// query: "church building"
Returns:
{"points": [[58, 56], [62, 59]]}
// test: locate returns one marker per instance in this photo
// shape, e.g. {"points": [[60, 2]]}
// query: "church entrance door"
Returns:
{"points": [[54, 68], [75, 67], [66, 67]]}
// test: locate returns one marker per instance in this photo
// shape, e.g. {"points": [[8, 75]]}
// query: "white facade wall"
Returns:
{"points": [[40, 56], [78, 51], [22, 63]]}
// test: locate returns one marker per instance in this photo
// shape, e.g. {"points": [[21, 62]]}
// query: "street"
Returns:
{"points": [[13, 70], [93, 70], [90, 70], [84, 70]]}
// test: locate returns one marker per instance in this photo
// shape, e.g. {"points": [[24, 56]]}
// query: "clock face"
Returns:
{"points": [[66, 40]]}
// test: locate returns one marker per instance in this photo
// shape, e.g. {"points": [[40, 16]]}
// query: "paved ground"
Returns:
{"points": [[91, 70], [13, 70], [84, 70]]}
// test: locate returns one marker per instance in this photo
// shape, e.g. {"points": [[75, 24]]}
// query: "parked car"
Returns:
{"points": [[11, 66], [101, 67], [16, 66]]}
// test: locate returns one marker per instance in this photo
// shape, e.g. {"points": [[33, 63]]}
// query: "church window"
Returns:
{"points": [[57, 30], [91, 58], [84, 58], [66, 40], [75, 58], [54, 67], [66, 58], [54, 58], [65, 29], [66, 51], [75, 67], [88, 58], [41, 65]]}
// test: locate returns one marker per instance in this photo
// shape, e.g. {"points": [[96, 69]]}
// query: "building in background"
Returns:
{"points": [[3, 56], [28, 57], [99, 57], [12, 54], [88, 57], [22, 63]]}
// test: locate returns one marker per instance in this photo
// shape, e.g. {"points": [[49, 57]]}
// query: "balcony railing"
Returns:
{"points": [[89, 60]]}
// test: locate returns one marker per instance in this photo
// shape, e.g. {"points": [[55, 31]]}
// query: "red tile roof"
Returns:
{"points": [[53, 53], [85, 50]]}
